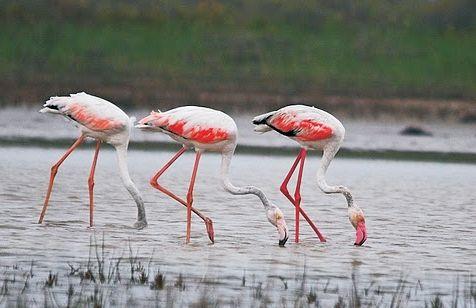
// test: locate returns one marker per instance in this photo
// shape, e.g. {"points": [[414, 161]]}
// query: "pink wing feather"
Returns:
{"points": [[192, 123], [302, 128], [90, 111]]}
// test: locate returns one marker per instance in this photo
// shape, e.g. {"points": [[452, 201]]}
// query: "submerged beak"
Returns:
{"points": [[210, 231], [283, 232], [360, 233], [282, 242]]}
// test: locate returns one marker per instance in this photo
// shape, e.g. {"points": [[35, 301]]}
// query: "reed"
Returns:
{"points": [[99, 282]]}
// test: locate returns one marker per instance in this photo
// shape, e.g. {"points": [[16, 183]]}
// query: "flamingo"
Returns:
{"points": [[312, 129], [105, 122], [205, 129]]}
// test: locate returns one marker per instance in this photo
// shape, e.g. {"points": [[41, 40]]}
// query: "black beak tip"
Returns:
{"points": [[283, 242], [361, 243]]}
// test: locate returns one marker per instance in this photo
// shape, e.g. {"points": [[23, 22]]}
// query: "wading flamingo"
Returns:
{"points": [[99, 119], [206, 129], [315, 129]]}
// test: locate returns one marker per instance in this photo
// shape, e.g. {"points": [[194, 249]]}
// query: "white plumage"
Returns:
{"points": [[99, 119], [316, 129], [206, 129], [302, 124], [96, 117]]}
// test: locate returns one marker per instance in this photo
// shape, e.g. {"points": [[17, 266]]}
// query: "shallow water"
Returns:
{"points": [[420, 217]]}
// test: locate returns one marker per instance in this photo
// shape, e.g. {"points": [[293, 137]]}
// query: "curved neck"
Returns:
{"points": [[121, 151], [246, 190], [327, 156]]}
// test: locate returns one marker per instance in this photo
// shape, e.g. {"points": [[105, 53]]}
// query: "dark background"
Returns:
{"points": [[237, 55]]}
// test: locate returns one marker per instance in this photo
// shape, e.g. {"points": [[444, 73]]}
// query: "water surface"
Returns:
{"points": [[420, 217]]}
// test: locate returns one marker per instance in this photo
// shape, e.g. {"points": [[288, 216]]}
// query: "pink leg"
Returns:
{"points": [[190, 195], [297, 201], [297, 197], [297, 194], [91, 184], [54, 171], [154, 182]]}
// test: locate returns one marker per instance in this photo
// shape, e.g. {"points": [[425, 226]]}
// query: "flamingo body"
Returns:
{"points": [[310, 127], [102, 120], [315, 129], [194, 126], [206, 129], [95, 117]]}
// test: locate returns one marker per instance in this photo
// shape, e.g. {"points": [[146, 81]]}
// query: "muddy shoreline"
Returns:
{"points": [[147, 93], [386, 154]]}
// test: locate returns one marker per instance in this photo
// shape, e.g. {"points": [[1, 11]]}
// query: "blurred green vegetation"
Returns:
{"points": [[373, 48]]}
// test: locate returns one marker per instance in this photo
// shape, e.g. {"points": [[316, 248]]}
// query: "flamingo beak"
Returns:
{"points": [[360, 233], [210, 231], [282, 242], [283, 232]]}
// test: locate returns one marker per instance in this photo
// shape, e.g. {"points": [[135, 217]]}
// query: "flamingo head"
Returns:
{"points": [[276, 218], [357, 219], [148, 123]]}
